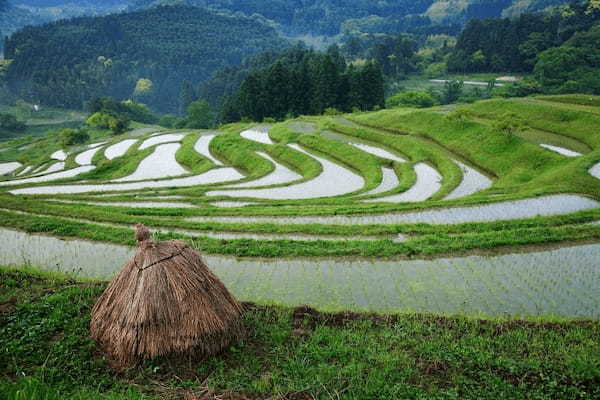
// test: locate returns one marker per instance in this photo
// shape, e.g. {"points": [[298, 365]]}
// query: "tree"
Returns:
{"points": [[70, 137], [200, 115], [143, 88], [452, 91], [10, 123], [411, 98], [186, 96], [118, 124]]}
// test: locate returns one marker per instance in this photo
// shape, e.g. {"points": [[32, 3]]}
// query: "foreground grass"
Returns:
{"points": [[46, 353]]}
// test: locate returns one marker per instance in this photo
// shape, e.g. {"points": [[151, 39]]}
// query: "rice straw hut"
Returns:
{"points": [[164, 301]]}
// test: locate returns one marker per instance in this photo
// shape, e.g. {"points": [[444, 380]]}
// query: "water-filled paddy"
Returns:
{"points": [[561, 150], [429, 181], [472, 182], [389, 182], [595, 171], [281, 175], [70, 173], [86, 157], [7, 168], [515, 284], [334, 180], [220, 175], [160, 164], [507, 210], [118, 149], [202, 147], [59, 155], [172, 137], [56, 167], [258, 134]]}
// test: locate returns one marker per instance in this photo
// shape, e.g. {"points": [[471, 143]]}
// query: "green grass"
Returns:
{"points": [[577, 99], [46, 353], [190, 158], [433, 241]]}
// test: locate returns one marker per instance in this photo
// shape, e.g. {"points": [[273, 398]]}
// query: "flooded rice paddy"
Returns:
{"points": [[302, 126], [595, 171], [472, 182], [70, 173], [389, 182], [258, 134], [561, 150], [160, 164], [220, 175], [281, 175], [59, 155], [56, 167], [202, 147], [119, 149], [171, 137], [563, 282], [7, 168], [501, 211], [86, 157], [429, 182], [334, 180]]}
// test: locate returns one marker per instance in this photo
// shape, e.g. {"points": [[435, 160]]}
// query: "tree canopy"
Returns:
{"points": [[68, 63]]}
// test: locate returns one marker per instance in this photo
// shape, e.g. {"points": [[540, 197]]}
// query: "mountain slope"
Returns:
{"points": [[69, 62], [326, 17]]}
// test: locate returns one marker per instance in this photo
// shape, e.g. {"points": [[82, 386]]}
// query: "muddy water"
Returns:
{"points": [[562, 282]]}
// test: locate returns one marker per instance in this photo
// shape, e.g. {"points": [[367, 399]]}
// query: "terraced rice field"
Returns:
{"points": [[391, 211]]}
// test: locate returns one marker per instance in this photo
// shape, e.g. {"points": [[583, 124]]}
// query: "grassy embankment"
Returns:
{"points": [[46, 354]]}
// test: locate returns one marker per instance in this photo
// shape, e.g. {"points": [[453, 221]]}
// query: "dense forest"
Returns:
{"points": [[561, 47], [145, 55], [332, 17], [303, 82], [495, 45]]}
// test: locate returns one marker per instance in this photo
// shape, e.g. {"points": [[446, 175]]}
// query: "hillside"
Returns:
{"points": [[68, 63], [472, 232], [15, 14], [328, 17]]}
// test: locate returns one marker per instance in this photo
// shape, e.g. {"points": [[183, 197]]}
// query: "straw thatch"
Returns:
{"points": [[164, 301]]}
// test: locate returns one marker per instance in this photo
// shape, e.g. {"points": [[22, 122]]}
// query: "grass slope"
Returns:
{"points": [[46, 354]]}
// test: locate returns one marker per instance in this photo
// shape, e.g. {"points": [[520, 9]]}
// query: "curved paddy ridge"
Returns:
{"points": [[334, 180], [429, 182], [281, 175]]}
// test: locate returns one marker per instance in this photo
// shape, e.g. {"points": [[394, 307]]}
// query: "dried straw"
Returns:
{"points": [[164, 301]]}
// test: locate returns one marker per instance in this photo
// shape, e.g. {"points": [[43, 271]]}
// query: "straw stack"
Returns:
{"points": [[164, 301]]}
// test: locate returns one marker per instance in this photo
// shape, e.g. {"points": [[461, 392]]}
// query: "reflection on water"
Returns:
{"points": [[564, 282]]}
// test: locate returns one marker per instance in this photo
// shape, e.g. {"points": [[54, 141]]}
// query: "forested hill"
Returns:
{"points": [[330, 17], [67, 63]]}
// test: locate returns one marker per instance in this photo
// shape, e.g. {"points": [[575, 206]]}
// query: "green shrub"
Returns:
{"points": [[331, 111], [509, 124], [116, 123], [168, 121], [10, 123], [411, 98], [70, 137], [436, 70]]}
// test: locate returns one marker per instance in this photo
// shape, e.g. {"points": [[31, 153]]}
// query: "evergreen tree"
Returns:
{"points": [[186, 97]]}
